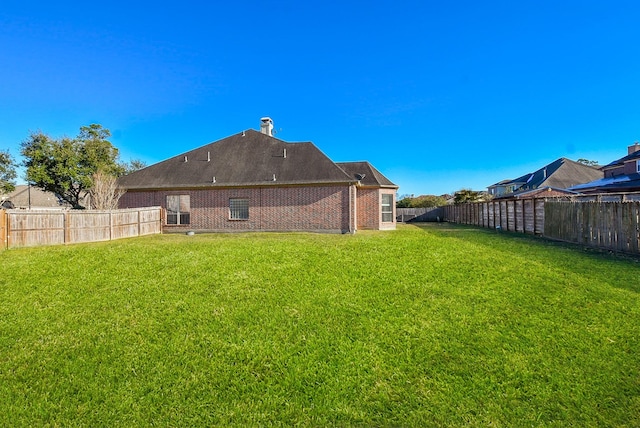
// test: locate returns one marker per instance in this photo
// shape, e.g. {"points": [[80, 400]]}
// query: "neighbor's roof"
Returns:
{"points": [[560, 174], [545, 191], [34, 197], [366, 174], [248, 158]]}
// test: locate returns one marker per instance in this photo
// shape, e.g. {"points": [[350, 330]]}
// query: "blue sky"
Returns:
{"points": [[438, 96]]}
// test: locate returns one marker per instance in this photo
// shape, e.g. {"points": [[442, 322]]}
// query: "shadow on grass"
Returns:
{"points": [[616, 268]]}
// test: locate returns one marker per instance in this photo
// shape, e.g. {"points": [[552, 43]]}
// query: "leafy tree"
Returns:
{"points": [[132, 166], [467, 195], [66, 166], [588, 162], [423, 201], [7, 172]]}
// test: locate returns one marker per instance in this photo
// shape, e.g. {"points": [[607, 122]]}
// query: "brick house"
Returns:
{"points": [[558, 175], [252, 181], [621, 175]]}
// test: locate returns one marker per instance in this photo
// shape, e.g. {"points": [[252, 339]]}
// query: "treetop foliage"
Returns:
{"points": [[7, 172], [467, 195], [423, 201], [66, 166]]}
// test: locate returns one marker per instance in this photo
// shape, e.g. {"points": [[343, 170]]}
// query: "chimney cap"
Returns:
{"points": [[266, 126]]}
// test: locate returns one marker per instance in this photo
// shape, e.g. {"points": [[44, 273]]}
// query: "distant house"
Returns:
{"points": [[252, 181], [621, 175], [30, 197], [557, 176]]}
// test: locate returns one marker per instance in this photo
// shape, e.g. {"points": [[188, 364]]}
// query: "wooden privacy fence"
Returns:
{"points": [[611, 225], [419, 214], [521, 215], [33, 228]]}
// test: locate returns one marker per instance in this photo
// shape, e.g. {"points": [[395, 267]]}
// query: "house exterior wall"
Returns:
{"points": [[304, 208], [625, 169], [369, 209]]}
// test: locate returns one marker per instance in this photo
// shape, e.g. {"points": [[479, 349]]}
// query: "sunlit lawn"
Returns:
{"points": [[424, 326]]}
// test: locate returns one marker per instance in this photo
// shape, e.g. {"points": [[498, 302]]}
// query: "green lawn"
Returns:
{"points": [[434, 325]]}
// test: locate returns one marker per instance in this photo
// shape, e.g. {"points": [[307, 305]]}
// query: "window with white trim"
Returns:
{"points": [[387, 208], [238, 209], [178, 207], [638, 166]]}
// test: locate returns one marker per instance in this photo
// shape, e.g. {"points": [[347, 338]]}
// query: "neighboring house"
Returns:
{"points": [[30, 197], [560, 174], [621, 175], [253, 181], [540, 192]]}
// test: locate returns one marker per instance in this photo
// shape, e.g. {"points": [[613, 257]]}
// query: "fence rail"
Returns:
{"points": [[32, 228], [607, 223]]}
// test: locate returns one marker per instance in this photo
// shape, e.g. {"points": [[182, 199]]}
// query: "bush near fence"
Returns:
{"points": [[24, 228], [610, 222]]}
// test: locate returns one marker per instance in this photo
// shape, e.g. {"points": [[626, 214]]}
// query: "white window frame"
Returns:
{"points": [[386, 208], [638, 165]]}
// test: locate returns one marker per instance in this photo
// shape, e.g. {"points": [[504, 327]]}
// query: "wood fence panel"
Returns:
{"points": [[511, 216], [33, 228], [517, 214], [88, 226], [125, 224], [27, 229]]}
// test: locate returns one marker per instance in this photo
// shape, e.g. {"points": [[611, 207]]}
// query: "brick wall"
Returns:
{"points": [[312, 208], [369, 209]]}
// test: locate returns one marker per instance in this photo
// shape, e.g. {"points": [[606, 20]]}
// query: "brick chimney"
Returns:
{"points": [[634, 148], [266, 126]]}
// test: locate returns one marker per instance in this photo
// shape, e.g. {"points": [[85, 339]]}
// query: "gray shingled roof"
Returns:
{"points": [[34, 197], [561, 173], [248, 158], [366, 174]]}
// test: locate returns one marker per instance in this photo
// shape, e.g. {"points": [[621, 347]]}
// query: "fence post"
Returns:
{"points": [[4, 233]]}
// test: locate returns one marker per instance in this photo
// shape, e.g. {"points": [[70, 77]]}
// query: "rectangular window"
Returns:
{"points": [[638, 166], [239, 209], [387, 208], [178, 207]]}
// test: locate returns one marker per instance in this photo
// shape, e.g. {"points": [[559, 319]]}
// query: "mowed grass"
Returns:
{"points": [[436, 325]]}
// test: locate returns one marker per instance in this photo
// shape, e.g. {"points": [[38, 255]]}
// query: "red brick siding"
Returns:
{"points": [[315, 208], [369, 209]]}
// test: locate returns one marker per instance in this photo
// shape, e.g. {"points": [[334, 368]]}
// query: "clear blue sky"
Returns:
{"points": [[437, 95]]}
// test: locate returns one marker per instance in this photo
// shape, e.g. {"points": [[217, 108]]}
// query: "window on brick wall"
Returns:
{"points": [[638, 166], [178, 207], [238, 209], [387, 208]]}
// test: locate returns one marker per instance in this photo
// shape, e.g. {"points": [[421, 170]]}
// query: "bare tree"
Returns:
{"points": [[105, 192]]}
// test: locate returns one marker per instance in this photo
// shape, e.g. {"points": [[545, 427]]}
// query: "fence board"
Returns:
{"points": [[3, 229]]}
